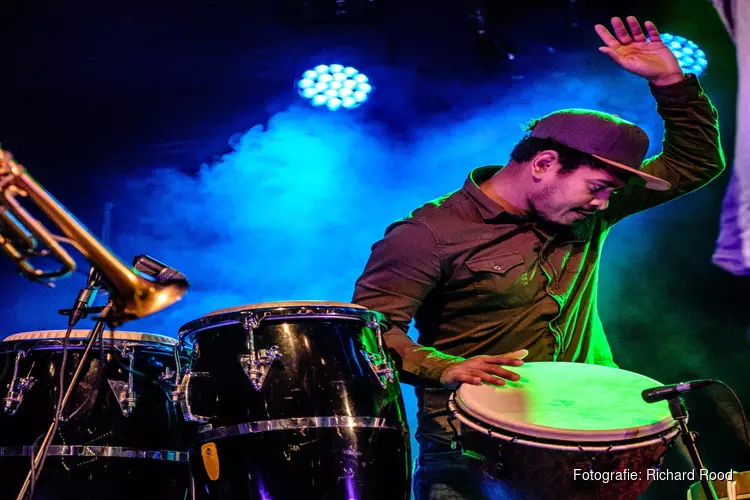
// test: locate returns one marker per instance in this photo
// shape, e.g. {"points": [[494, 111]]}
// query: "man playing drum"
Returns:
{"points": [[506, 267]]}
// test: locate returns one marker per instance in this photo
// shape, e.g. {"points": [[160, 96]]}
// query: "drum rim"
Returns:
{"points": [[560, 434], [321, 309], [289, 304], [557, 443], [80, 334]]}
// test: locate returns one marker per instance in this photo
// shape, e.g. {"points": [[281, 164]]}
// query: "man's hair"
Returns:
{"points": [[569, 158]]}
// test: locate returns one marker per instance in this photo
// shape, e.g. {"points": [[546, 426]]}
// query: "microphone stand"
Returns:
{"points": [[678, 408], [96, 331]]}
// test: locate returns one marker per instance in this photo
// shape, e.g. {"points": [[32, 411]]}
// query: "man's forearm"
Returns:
{"points": [[418, 365], [692, 147]]}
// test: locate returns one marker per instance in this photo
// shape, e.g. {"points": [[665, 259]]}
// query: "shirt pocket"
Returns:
{"points": [[502, 279]]}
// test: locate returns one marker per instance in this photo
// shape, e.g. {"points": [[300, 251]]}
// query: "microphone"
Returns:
{"points": [[162, 273], [85, 297], [661, 393]]}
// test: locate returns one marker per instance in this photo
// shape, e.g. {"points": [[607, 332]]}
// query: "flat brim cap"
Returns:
{"points": [[606, 137]]}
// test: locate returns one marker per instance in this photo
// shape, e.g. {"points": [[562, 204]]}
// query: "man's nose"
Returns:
{"points": [[600, 203]]}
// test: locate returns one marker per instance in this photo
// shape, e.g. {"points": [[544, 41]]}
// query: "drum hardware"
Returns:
{"points": [[123, 391], [17, 388], [379, 361], [179, 382], [496, 462], [180, 396], [181, 386], [69, 451], [177, 363], [380, 367], [255, 364], [168, 377], [207, 433], [455, 435]]}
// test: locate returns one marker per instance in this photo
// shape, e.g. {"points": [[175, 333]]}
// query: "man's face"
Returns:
{"points": [[564, 197]]}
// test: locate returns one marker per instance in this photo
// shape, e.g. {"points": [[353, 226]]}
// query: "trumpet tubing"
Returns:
{"points": [[133, 296]]}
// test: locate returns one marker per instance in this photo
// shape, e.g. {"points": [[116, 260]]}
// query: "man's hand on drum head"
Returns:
{"points": [[483, 369]]}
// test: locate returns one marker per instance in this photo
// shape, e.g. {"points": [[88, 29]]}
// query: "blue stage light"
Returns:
{"points": [[691, 58], [334, 86]]}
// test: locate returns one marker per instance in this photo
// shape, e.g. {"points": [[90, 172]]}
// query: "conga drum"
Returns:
{"points": [[565, 430], [120, 437], [295, 400]]}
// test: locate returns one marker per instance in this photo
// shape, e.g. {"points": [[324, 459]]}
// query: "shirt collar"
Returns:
{"points": [[581, 231], [487, 208]]}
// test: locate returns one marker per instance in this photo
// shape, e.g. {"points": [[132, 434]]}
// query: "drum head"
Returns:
{"points": [[293, 304], [568, 402], [84, 334]]}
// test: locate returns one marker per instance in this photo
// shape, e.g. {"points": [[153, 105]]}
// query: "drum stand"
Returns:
{"points": [[679, 412], [96, 331]]}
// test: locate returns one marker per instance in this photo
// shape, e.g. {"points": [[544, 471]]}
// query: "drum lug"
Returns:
{"points": [[380, 367], [455, 435], [180, 396], [379, 362], [125, 396], [17, 388], [256, 365], [123, 391]]}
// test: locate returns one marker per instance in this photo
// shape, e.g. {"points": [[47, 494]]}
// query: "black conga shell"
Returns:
{"points": [[296, 400]]}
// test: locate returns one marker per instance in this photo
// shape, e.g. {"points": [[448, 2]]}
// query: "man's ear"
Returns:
{"points": [[543, 162]]}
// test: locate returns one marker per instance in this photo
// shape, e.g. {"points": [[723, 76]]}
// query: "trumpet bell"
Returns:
{"points": [[143, 299]]}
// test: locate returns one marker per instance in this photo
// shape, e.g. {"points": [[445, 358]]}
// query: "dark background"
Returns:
{"points": [[134, 104]]}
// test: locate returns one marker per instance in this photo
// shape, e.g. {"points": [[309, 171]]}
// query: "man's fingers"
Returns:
{"points": [[519, 354], [511, 359], [653, 33], [472, 377], [501, 372], [635, 29], [606, 36], [621, 32], [489, 378]]}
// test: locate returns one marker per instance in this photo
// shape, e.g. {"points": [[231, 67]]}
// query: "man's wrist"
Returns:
{"points": [[435, 363], [678, 93], [668, 80]]}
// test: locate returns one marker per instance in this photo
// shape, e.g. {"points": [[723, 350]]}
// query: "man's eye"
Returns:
{"points": [[596, 189]]}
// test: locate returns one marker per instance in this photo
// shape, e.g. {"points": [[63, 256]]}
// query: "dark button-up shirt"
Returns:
{"points": [[479, 280]]}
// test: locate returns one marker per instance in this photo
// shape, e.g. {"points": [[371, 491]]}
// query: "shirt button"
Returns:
{"points": [[498, 268]]}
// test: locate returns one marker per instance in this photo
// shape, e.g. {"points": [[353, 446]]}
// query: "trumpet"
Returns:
{"points": [[22, 237]]}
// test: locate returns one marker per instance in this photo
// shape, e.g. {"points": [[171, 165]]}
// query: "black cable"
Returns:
{"points": [[745, 425], [35, 472], [99, 380]]}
